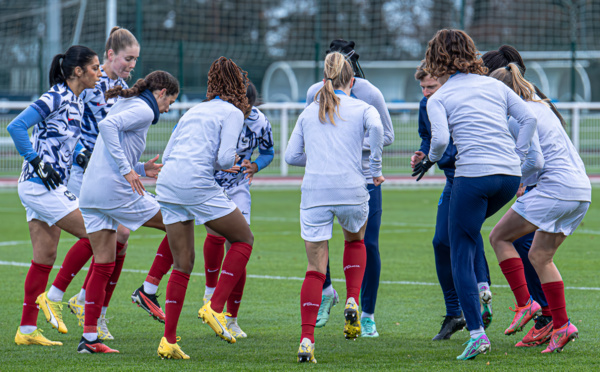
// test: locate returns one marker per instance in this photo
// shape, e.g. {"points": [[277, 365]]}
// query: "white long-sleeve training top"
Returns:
{"points": [[563, 175], [119, 146], [332, 153], [366, 92], [204, 139], [474, 109], [534, 161]]}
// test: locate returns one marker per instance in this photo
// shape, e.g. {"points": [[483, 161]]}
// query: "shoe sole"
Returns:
{"points": [[351, 330], [303, 357], [138, 301], [572, 338]]}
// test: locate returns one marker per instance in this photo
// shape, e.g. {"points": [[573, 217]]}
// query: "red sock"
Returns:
{"points": [[555, 294], [94, 295], [35, 284], [114, 278], [176, 288], [89, 275], [310, 301], [546, 311], [235, 298], [77, 256], [234, 267], [162, 263], [355, 260], [214, 250], [515, 275]]}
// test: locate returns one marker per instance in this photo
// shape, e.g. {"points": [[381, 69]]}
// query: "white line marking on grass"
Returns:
{"points": [[295, 278]]}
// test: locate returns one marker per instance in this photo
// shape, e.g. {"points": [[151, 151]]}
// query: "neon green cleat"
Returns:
{"points": [[77, 309], [306, 351], [53, 312], [171, 351], [216, 321], [34, 338], [369, 329], [481, 345], [327, 303], [352, 327]]}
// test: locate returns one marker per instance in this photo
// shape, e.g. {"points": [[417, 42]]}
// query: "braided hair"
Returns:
{"points": [[155, 80]]}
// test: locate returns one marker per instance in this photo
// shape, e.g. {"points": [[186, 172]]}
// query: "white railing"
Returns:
{"points": [[583, 125]]}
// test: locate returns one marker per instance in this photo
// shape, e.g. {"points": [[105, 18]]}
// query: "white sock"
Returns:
{"points": [[150, 288], [209, 290], [328, 291], [367, 315], [55, 294], [483, 286], [90, 336], [81, 297], [476, 333], [231, 319], [27, 330], [103, 312]]}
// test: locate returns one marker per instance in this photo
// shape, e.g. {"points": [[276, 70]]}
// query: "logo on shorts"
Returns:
{"points": [[70, 195], [351, 266]]}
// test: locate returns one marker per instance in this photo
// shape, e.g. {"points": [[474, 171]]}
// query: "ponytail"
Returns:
{"points": [[56, 74], [511, 76], [63, 65], [338, 74], [156, 80]]}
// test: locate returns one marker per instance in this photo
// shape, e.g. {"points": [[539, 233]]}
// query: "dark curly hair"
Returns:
{"points": [[452, 51], [229, 82], [155, 80]]}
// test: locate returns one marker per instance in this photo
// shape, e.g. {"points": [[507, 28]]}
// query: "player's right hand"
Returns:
{"points": [[378, 180], [134, 180], [83, 158], [47, 174], [416, 158]]}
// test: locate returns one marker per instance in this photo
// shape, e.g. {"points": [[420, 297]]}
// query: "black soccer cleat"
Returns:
{"points": [[450, 325]]}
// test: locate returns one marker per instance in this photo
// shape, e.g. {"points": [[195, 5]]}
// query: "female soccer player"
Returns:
{"points": [[473, 108], [453, 320], [203, 141], [366, 92], [112, 193], [120, 56], [328, 141], [56, 118], [553, 209], [236, 182], [541, 332]]}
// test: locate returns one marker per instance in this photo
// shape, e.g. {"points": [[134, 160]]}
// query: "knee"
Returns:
{"points": [[184, 264], [538, 259], [249, 239], [123, 234]]}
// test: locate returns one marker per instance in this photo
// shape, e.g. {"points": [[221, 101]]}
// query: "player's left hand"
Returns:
{"points": [[251, 169], [521, 191], [151, 168], [378, 180], [422, 167]]}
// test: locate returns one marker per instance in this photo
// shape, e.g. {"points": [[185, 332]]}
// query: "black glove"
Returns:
{"points": [[83, 158], [49, 175], [422, 167]]}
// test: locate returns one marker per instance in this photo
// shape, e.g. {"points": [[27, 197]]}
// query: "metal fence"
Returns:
{"points": [[583, 125]]}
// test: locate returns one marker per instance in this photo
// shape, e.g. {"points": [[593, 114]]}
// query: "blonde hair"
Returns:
{"points": [[512, 77], [338, 74]]}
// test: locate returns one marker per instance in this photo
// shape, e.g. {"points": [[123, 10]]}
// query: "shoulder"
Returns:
{"points": [[363, 89]]}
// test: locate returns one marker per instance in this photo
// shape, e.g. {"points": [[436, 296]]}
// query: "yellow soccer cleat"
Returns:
{"points": [[306, 351], [77, 309], [171, 351], [34, 338], [235, 329], [53, 312], [103, 332], [352, 328], [216, 321]]}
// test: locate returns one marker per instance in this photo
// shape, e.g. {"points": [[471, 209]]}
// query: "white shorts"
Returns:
{"points": [[132, 216], [74, 184], [316, 224], [550, 214], [215, 207], [240, 195], [49, 206]]}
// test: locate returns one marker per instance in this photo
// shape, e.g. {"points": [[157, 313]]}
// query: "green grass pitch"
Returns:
{"points": [[409, 308]]}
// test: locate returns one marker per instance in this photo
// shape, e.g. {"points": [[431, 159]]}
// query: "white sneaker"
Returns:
{"points": [[103, 332], [234, 328]]}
